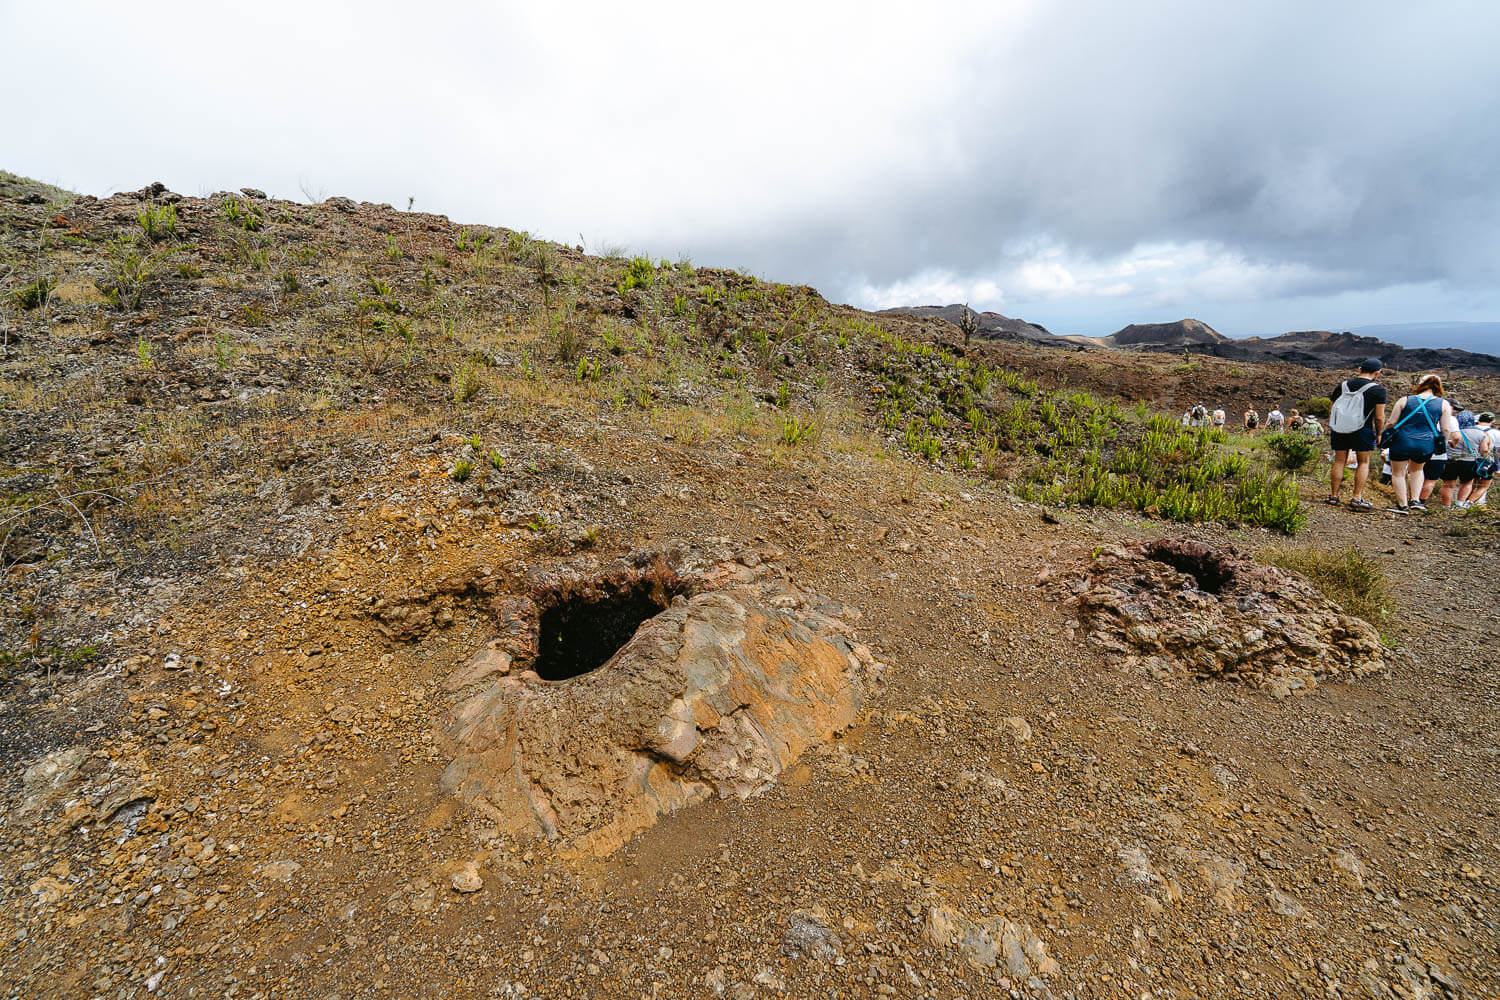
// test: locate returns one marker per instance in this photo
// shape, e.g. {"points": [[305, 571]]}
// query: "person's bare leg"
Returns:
{"points": [[1336, 477], [1361, 474], [1399, 483], [1427, 488], [1418, 476], [1465, 489], [1450, 487]]}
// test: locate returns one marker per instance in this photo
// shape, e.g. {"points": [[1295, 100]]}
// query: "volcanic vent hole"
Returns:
{"points": [[1208, 568], [581, 629]]}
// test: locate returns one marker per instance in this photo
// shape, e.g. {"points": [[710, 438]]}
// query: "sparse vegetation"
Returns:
{"points": [[795, 430], [158, 222], [129, 273], [467, 382], [1349, 577], [462, 469], [34, 295], [246, 215]]}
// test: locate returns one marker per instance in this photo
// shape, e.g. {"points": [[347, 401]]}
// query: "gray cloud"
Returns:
{"points": [[1352, 143], [1267, 165]]}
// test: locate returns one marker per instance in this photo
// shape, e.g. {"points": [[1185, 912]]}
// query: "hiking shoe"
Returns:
{"points": [[1417, 505], [1360, 503], [1396, 508], [1333, 502]]}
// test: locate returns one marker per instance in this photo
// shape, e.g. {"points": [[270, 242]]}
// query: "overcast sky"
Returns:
{"points": [[1263, 166]]}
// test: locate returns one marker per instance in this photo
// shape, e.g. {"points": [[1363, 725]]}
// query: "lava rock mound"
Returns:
{"points": [[715, 695], [1175, 606]]}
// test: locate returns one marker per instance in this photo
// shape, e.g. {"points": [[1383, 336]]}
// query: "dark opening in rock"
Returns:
{"points": [[580, 629], [1210, 568]]}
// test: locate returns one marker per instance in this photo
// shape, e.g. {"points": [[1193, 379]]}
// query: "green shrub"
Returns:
{"points": [[639, 274], [1292, 451], [794, 431], [462, 469], [128, 273], [467, 384], [1346, 576], [34, 295], [158, 222], [1318, 406], [247, 216]]}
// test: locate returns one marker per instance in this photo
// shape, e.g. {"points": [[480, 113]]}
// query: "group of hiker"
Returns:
{"points": [[1425, 438], [1276, 421]]}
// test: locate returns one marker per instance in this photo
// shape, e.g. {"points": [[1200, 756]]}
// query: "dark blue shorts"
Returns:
{"points": [[1360, 440], [1407, 451]]}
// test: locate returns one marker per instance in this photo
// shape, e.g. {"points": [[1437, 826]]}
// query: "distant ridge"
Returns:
{"points": [[1309, 348], [992, 325]]}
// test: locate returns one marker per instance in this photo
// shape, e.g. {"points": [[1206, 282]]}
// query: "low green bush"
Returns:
{"points": [[1292, 452]]}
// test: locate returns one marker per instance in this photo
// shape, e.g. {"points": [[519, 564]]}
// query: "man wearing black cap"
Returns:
{"points": [[1354, 423]]}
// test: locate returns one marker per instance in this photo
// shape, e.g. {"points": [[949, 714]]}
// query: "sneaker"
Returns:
{"points": [[1417, 505], [1461, 504], [1396, 508]]}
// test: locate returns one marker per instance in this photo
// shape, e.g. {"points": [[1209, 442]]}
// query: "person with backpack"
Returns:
{"points": [[1199, 415], [1412, 432], [1275, 421], [1252, 420], [1485, 471], [1464, 456], [1355, 421]]}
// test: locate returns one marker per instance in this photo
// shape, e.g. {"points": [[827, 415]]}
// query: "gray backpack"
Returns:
{"points": [[1347, 414]]}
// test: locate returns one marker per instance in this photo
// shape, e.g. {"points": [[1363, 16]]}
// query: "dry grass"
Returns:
{"points": [[1346, 576]]}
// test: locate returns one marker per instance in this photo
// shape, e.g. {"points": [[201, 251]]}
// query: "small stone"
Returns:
{"points": [[468, 879]]}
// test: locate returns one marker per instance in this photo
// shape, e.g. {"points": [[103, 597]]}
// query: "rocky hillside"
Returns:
{"points": [[397, 608], [1182, 335], [992, 325]]}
